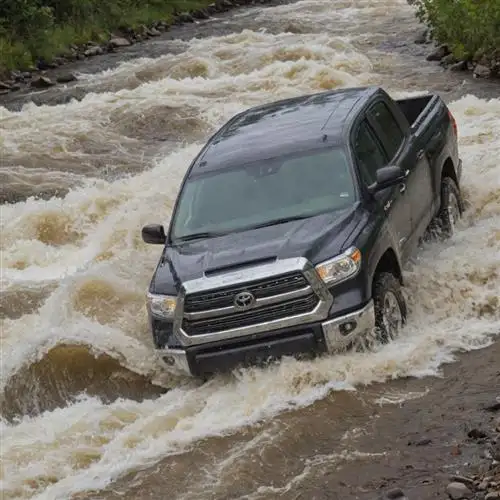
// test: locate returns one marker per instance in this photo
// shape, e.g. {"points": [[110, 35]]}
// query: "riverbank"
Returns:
{"points": [[18, 69], [466, 38], [63, 69]]}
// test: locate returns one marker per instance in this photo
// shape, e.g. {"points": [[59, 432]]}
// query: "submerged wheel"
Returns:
{"points": [[451, 208], [390, 307]]}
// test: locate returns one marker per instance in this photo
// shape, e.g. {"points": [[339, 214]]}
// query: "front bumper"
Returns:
{"points": [[333, 335]]}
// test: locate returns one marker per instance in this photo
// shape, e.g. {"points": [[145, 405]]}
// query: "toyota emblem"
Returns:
{"points": [[244, 300]]}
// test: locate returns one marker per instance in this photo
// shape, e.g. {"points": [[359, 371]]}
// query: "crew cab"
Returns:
{"points": [[292, 226]]}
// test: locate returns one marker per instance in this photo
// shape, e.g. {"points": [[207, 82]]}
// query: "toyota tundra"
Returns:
{"points": [[292, 226]]}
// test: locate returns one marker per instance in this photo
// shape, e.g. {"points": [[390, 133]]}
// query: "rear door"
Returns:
{"points": [[371, 156], [401, 151]]}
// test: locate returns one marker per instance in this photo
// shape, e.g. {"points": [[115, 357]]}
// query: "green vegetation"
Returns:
{"points": [[470, 28], [33, 29]]}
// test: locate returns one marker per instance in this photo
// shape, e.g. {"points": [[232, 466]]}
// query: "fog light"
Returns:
{"points": [[169, 360], [347, 327]]}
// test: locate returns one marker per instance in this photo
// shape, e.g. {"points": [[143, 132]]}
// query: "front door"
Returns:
{"points": [[402, 150], [371, 156]]}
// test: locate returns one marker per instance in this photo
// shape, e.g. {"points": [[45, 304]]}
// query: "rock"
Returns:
{"points": [[423, 442], [42, 82], [153, 32], [185, 18], [119, 42], [477, 433], [459, 66], [93, 51], [42, 64], [492, 495], [483, 485], [438, 54], [4, 92], [15, 87], [17, 76], [447, 60], [4, 86], [212, 8], [162, 26], [493, 407], [395, 494], [27, 75], [494, 449], [66, 78], [420, 442], [200, 14], [481, 71], [422, 38], [457, 491], [462, 479]]}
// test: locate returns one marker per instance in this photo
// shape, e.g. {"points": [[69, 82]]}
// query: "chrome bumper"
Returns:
{"points": [[176, 360], [338, 332]]}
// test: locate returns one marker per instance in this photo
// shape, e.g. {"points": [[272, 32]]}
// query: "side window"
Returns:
{"points": [[368, 153], [393, 135]]}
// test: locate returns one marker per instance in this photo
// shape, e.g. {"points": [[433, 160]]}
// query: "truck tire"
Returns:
{"points": [[451, 208], [390, 307]]}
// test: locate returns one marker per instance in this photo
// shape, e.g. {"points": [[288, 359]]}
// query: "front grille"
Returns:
{"points": [[262, 314], [223, 297]]}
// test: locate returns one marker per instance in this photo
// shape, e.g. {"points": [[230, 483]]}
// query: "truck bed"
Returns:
{"points": [[413, 107]]}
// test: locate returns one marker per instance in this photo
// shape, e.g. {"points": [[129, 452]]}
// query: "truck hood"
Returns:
{"points": [[316, 238]]}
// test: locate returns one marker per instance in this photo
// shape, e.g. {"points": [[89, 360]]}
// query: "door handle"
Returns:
{"points": [[402, 187], [420, 154]]}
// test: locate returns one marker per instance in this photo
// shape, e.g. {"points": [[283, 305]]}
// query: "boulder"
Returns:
{"points": [[119, 42], [42, 82]]}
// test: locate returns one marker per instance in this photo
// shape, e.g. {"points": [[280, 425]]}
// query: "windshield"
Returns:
{"points": [[256, 194]]}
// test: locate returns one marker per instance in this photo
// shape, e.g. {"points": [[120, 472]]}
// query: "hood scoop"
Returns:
{"points": [[239, 266]]}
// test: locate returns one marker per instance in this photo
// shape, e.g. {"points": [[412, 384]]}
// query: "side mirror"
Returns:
{"points": [[387, 177], [154, 234]]}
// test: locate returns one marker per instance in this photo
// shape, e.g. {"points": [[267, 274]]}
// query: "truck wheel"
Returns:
{"points": [[390, 307], [451, 208]]}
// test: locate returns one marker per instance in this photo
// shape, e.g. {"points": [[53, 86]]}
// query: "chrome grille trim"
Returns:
{"points": [[264, 288], [247, 276], [252, 317], [274, 299]]}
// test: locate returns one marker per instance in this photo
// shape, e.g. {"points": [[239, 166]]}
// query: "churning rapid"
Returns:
{"points": [[83, 396]]}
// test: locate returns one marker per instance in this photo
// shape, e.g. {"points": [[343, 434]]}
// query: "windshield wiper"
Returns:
{"points": [[283, 220], [197, 236]]}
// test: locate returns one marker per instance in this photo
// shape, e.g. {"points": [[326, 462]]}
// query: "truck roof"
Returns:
{"points": [[281, 127]]}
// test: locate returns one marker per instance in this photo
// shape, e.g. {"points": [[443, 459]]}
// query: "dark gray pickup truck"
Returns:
{"points": [[293, 223]]}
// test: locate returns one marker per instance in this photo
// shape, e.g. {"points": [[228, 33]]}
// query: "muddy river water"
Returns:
{"points": [[83, 398]]}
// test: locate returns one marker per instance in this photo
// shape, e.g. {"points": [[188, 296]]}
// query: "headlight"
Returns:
{"points": [[162, 305], [341, 267]]}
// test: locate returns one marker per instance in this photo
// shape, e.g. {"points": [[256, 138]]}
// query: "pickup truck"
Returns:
{"points": [[292, 226]]}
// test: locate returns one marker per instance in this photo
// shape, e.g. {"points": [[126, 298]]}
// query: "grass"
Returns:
{"points": [[55, 39]]}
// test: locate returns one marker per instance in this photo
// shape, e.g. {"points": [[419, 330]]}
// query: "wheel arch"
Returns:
{"points": [[448, 170], [388, 262]]}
